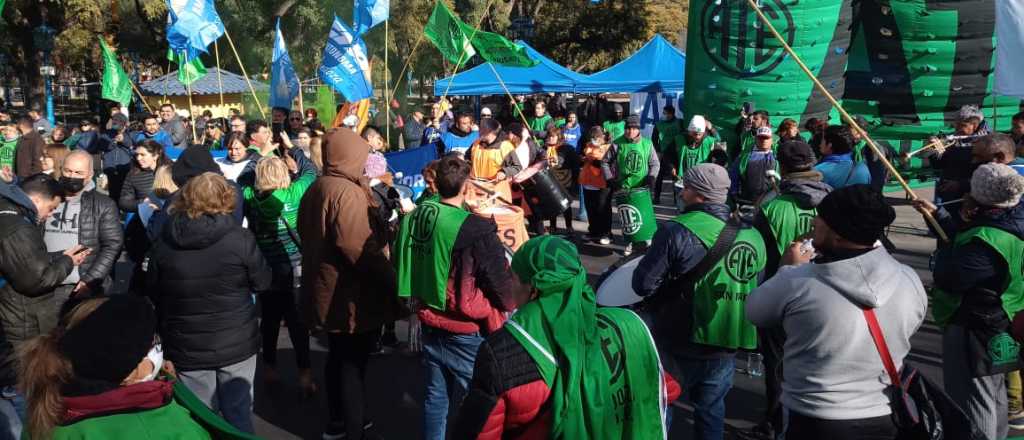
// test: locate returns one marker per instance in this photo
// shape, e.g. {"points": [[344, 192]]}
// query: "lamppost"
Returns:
{"points": [[43, 39]]}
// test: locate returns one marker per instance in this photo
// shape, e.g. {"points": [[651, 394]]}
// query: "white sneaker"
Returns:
{"points": [[628, 250], [605, 241]]}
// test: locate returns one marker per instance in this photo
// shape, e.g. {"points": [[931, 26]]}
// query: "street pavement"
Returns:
{"points": [[395, 380]]}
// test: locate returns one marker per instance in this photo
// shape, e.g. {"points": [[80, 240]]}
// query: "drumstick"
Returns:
{"points": [[934, 144], [493, 194]]}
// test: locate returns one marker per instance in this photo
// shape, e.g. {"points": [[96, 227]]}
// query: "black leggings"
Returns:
{"points": [[277, 304], [345, 378], [567, 216], [599, 211], [802, 427]]}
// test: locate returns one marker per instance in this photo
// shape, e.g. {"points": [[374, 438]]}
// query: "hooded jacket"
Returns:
{"points": [[832, 369], [348, 284], [201, 276], [808, 189]]}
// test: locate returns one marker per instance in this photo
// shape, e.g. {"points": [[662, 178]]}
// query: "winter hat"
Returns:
{"points": [[633, 121], [697, 124], [485, 111], [857, 213], [376, 165], [796, 155], [709, 180], [193, 161], [997, 185], [108, 344], [969, 111]]}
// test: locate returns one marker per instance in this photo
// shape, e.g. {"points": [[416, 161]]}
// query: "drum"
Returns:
{"points": [[615, 285], [637, 213], [548, 197], [511, 223]]}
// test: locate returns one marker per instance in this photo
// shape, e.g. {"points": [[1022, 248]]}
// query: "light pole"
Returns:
{"points": [[43, 36]]}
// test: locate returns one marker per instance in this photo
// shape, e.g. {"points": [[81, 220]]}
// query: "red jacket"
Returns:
{"points": [[508, 397], [479, 288]]}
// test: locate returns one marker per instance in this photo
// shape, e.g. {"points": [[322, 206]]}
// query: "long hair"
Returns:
{"points": [[43, 371], [205, 194], [316, 153], [163, 182], [157, 150], [272, 174], [57, 152]]}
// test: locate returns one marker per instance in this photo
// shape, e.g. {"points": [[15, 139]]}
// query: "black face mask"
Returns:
{"points": [[72, 185]]}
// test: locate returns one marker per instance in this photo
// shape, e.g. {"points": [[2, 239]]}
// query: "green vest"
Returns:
{"points": [[690, 156], [787, 220], [667, 132], [1011, 248], [614, 129], [7, 149], [719, 318], [424, 251], [632, 160], [539, 124]]}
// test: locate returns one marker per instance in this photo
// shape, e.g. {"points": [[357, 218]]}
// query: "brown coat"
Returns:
{"points": [[28, 159], [348, 284]]}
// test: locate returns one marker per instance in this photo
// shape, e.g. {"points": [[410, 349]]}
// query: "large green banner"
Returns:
{"points": [[731, 58]]}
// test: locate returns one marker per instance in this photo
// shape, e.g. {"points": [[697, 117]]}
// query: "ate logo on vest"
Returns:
{"points": [[423, 222], [1003, 349], [632, 163], [741, 262], [631, 219], [804, 222], [736, 41], [612, 348]]}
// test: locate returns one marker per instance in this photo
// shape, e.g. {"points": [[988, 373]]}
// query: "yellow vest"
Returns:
{"points": [[487, 161]]}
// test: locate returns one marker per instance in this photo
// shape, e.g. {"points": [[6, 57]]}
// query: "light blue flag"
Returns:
{"points": [[192, 25], [345, 66], [284, 84], [369, 13]]}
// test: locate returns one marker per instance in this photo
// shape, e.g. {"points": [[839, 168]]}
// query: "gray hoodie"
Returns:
{"points": [[832, 369]]}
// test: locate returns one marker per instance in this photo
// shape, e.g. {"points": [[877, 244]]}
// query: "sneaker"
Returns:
{"points": [[628, 250], [336, 430], [605, 241], [1016, 420]]}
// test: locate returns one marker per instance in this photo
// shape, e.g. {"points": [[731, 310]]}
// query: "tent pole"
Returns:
{"points": [[846, 116], [246, 75], [462, 57]]}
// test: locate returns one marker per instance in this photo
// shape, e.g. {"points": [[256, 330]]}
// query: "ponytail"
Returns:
{"points": [[43, 370]]}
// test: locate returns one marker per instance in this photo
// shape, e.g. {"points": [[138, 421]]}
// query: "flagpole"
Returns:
{"points": [[387, 90], [507, 92], [191, 111], [462, 56], [846, 116], [408, 60], [143, 98], [168, 71], [220, 83], [244, 74], [302, 109]]}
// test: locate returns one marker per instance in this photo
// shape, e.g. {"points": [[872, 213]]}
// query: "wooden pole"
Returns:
{"points": [[220, 83], [408, 60], [246, 75], [387, 90], [507, 92], [143, 98], [302, 109], [168, 72], [846, 116], [191, 111]]}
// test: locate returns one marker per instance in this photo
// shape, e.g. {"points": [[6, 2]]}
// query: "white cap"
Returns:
{"points": [[485, 111], [698, 124], [350, 121]]}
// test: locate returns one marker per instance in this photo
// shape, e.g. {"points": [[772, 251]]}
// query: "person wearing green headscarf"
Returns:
{"points": [[562, 368]]}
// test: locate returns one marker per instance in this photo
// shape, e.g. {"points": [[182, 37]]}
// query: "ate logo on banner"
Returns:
{"points": [[736, 40]]}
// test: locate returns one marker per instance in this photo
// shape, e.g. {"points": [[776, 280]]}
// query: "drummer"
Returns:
{"points": [[691, 148], [488, 153], [452, 262], [702, 330], [635, 163]]}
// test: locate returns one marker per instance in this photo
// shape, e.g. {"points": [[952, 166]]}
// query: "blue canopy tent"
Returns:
{"points": [[548, 76], [657, 67]]}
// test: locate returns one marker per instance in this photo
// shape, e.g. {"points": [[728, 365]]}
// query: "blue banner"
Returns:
{"points": [[192, 25], [369, 13], [346, 67], [284, 84], [411, 163]]}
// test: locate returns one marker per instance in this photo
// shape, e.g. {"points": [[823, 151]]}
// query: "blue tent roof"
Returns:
{"points": [[207, 85], [656, 67], [548, 76]]}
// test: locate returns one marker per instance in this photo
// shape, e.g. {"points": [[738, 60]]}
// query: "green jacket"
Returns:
{"points": [[7, 150], [273, 217]]}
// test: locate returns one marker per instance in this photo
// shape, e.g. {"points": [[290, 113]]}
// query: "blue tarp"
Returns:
{"points": [[548, 76], [656, 67]]}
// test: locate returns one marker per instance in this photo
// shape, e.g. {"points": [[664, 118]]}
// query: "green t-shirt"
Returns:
{"points": [[614, 129], [540, 124], [719, 317], [424, 251], [787, 220], [7, 149], [633, 160]]}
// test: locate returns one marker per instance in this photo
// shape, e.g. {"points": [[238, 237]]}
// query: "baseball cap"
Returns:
{"points": [[763, 132]]}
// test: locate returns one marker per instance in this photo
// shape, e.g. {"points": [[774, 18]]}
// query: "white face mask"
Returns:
{"points": [[156, 356]]}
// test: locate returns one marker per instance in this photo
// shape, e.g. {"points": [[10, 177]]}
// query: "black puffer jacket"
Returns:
{"points": [[201, 275], [26, 269], [100, 229]]}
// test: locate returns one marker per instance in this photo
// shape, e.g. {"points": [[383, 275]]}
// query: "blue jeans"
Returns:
{"points": [[581, 214], [12, 413], [226, 389], [705, 384], [448, 359]]}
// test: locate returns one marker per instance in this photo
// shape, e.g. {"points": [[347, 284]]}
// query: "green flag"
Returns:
{"points": [[116, 85], [497, 49], [188, 72], [446, 31], [2, 5]]}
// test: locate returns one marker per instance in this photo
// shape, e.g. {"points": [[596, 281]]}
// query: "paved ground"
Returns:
{"points": [[395, 379]]}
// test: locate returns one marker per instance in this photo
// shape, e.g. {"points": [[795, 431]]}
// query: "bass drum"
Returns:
{"points": [[548, 197], [615, 285]]}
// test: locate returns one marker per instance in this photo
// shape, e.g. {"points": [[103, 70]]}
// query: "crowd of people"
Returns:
{"points": [[233, 225]]}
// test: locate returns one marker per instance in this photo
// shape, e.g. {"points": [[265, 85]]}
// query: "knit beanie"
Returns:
{"points": [[709, 180], [108, 344], [193, 161], [857, 213], [997, 185]]}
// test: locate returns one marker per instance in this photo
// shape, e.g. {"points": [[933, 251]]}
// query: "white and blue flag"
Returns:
{"points": [[345, 66], [284, 84], [192, 25], [369, 13]]}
